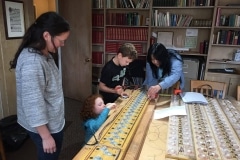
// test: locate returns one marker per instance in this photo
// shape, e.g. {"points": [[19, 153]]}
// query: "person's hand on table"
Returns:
{"points": [[153, 91], [111, 105], [118, 89]]}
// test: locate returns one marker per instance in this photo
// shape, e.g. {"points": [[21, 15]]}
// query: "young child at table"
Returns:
{"points": [[94, 113]]}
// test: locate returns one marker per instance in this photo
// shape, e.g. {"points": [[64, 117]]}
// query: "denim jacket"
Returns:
{"points": [[169, 80]]}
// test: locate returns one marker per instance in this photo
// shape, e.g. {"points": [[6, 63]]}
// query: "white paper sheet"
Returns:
{"points": [[174, 110]]}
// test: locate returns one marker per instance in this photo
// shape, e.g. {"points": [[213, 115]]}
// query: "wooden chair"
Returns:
{"points": [[209, 88]]}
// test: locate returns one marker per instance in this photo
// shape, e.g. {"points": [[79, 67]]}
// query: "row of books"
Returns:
{"points": [[127, 33], [97, 36], [232, 20], [112, 47], [127, 4], [158, 19], [201, 23], [131, 19], [230, 37], [183, 3], [146, 3], [97, 3], [97, 57], [168, 19], [97, 20]]}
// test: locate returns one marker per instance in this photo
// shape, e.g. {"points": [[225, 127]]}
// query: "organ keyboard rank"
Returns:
{"points": [[115, 136], [208, 132]]}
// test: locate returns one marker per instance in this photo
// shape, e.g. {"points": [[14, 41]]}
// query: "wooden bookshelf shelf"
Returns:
{"points": [[193, 7], [129, 9], [97, 44], [176, 27], [193, 54], [225, 45], [224, 62], [225, 40]]}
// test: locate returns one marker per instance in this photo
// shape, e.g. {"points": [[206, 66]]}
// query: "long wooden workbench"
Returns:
{"points": [[147, 139], [154, 146], [132, 143]]}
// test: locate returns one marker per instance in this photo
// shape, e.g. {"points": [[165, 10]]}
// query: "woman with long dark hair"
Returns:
{"points": [[40, 101], [163, 69]]}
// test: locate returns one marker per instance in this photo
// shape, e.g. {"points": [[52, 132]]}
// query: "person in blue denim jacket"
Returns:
{"points": [[163, 69]]}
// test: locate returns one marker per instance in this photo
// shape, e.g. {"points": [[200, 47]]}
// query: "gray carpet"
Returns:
{"points": [[74, 133], [73, 136]]}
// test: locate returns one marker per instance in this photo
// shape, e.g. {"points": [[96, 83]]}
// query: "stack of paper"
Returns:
{"points": [[193, 97]]}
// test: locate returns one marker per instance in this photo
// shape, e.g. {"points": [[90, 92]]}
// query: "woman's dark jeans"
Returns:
{"points": [[58, 137]]}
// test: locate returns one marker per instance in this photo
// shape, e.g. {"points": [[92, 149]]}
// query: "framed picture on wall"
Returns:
{"points": [[13, 14]]}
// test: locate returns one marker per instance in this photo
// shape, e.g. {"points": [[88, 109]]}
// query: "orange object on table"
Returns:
{"points": [[177, 91]]}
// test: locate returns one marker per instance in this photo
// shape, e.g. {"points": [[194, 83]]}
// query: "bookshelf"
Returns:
{"points": [[98, 34], [116, 22], [98, 41], [225, 40], [190, 24], [181, 19], [126, 23], [194, 25]]}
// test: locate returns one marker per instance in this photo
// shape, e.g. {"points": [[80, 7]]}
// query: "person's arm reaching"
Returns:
{"points": [[117, 90]]}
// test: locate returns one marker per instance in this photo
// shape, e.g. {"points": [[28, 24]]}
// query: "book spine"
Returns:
{"points": [[222, 38], [218, 16], [201, 48], [218, 37], [238, 41], [206, 43], [232, 36], [156, 17], [97, 57], [228, 37]]}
